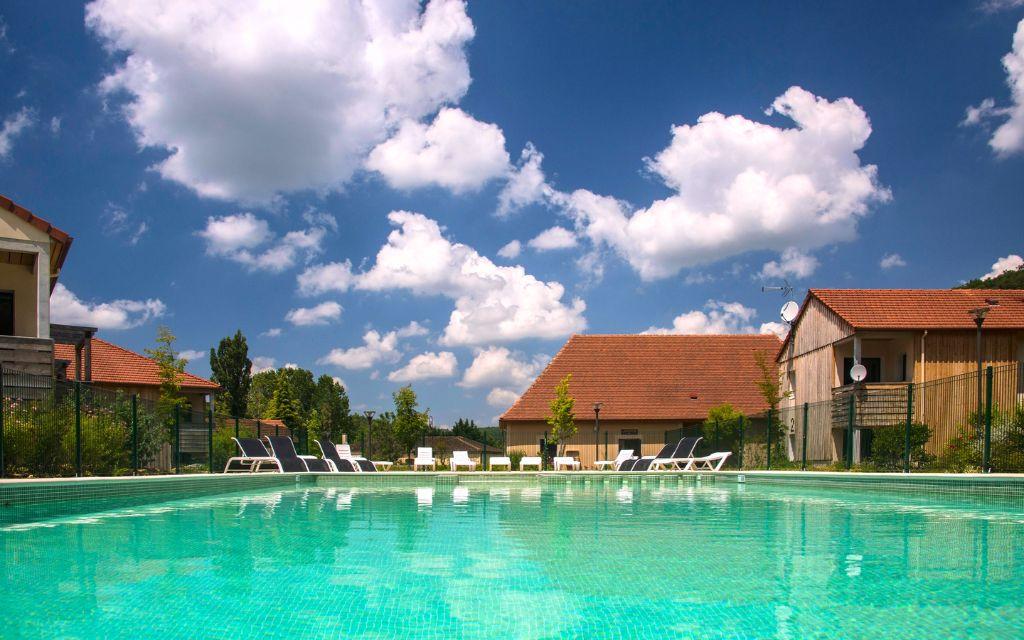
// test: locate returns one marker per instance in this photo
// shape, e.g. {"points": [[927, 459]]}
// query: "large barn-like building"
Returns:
{"points": [[650, 387]]}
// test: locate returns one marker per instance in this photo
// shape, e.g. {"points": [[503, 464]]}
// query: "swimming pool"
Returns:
{"points": [[531, 557]]}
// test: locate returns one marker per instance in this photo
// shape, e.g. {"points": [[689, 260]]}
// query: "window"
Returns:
{"points": [[6, 313], [873, 365]]}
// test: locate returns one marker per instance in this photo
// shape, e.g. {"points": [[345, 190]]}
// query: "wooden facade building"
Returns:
{"points": [[901, 336]]}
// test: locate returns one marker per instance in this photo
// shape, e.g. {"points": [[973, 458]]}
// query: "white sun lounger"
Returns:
{"points": [[624, 454], [424, 458], [530, 461], [461, 459], [565, 462], [711, 462]]}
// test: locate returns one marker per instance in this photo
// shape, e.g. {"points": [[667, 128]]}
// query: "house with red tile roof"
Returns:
{"points": [[650, 387], [32, 253], [119, 369], [900, 336]]}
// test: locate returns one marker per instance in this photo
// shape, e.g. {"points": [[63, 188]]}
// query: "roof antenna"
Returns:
{"points": [[786, 289]]}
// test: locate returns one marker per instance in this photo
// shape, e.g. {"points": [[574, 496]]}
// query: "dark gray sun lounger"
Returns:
{"points": [[283, 450], [253, 452], [330, 453]]}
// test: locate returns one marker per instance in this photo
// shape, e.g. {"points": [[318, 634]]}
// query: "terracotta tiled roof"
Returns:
{"points": [[112, 364], [651, 377], [923, 308], [61, 238]]}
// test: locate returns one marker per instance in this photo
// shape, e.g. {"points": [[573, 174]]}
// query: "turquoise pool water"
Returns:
{"points": [[612, 559]]}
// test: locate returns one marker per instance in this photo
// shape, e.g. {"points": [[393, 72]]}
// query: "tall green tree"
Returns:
{"points": [[170, 369], [284, 406], [331, 401], [409, 424], [261, 392], [562, 419], [301, 386], [232, 370]]}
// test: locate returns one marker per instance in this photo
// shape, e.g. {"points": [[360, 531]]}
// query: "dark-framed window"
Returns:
{"points": [[873, 365], [6, 313]]}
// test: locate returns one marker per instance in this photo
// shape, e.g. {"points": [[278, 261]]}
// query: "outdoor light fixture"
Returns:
{"points": [[597, 428], [979, 314], [369, 439]]}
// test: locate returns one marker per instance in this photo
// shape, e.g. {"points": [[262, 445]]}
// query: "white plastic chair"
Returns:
{"points": [[424, 458], [530, 461], [462, 459], [623, 455], [499, 461]]}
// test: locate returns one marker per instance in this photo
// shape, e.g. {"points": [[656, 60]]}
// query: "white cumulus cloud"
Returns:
{"points": [[492, 303], [250, 100], [743, 185], [263, 363], [792, 263], [456, 152], [67, 308], [375, 348], [246, 239], [717, 317], [1002, 265], [323, 313], [501, 398], [323, 278], [526, 185], [191, 354], [892, 261], [499, 366], [552, 239], [1008, 137], [13, 126], [511, 250], [426, 366]]}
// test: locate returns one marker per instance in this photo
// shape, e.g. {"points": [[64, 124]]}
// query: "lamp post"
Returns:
{"points": [[979, 319], [369, 440], [597, 430]]}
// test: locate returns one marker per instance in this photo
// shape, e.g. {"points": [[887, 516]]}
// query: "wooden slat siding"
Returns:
{"points": [[818, 327], [27, 355], [951, 353]]}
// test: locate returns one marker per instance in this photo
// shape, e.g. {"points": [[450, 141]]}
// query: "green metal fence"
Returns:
{"points": [[56, 428]]}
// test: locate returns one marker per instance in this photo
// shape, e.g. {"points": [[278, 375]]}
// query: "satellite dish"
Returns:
{"points": [[858, 372], [789, 311]]}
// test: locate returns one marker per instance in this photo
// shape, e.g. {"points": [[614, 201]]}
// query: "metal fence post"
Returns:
{"points": [[177, 439], [236, 426], [987, 457], [605, 444], [910, 422], [716, 435], [78, 428], [259, 434], [803, 454], [135, 434], [3, 406], [768, 438], [544, 452], [209, 436], [851, 412], [743, 423]]}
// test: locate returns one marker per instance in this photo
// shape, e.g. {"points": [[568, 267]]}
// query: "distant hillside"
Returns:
{"points": [[1006, 280]]}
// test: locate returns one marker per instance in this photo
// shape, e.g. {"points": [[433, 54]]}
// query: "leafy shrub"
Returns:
{"points": [[889, 442], [515, 457]]}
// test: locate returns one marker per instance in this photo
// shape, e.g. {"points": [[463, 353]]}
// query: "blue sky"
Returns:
{"points": [[323, 178]]}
